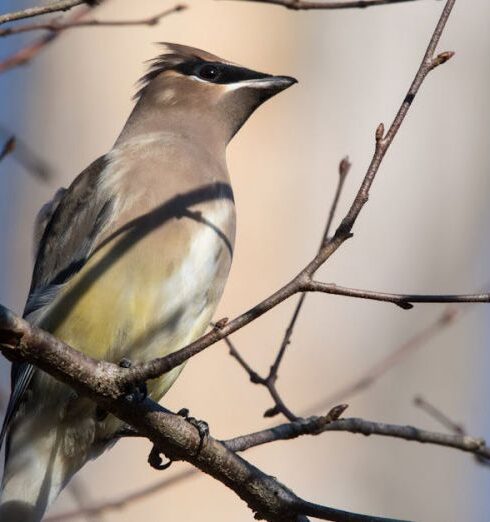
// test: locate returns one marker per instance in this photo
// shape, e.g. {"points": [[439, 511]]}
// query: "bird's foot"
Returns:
{"points": [[201, 426], [138, 392]]}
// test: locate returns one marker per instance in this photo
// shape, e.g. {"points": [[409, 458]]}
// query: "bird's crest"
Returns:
{"points": [[173, 55]]}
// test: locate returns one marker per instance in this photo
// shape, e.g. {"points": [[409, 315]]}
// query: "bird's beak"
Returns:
{"points": [[273, 84]]}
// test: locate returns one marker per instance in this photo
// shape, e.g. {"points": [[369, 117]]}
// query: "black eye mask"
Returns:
{"points": [[215, 72]]}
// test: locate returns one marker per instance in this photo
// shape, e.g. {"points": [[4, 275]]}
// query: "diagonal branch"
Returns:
{"points": [[54, 7], [170, 434], [55, 26], [27, 53], [8, 147], [310, 426]]}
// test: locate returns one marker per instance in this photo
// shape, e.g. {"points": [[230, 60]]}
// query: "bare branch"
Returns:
{"points": [[455, 427], [31, 50], [55, 7], [404, 301], [317, 425], [55, 26], [8, 147], [171, 434], [439, 416], [27, 158], [298, 5]]}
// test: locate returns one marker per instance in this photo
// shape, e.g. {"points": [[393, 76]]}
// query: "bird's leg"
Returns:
{"points": [[201, 426]]}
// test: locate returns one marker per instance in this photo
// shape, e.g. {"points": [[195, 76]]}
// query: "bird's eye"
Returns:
{"points": [[209, 72]]}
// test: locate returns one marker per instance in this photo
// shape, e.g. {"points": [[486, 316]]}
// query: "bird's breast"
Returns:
{"points": [[152, 287]]}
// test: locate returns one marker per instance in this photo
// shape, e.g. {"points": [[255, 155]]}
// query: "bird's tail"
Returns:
{"points": [[35, 473]]}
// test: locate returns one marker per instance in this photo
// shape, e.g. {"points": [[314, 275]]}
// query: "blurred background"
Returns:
{"points": [[424, 230]]}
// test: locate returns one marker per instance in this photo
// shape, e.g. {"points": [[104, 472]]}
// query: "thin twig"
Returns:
{"points": [[439, 416], [317, 425], [27, 53], [55, 7], [8, 147], [27, 158], [298, 5], [405, 301], [446, 421], [55, 26], [270, 381]]}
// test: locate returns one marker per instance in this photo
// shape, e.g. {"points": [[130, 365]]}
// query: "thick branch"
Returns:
{"points": [[171, 434], [55, 7]]}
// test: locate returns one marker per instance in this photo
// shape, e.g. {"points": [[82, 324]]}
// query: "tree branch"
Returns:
{"points": [[55, 26], [27, 53], [405, 301], [298, 5], [317, 425], [8, 147], [55, 7], [171, 434]]}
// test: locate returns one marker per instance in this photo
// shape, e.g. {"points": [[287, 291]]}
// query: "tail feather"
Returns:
{"points": [[34, 475]]}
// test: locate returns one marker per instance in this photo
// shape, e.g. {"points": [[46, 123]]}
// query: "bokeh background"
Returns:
{"points": [[423, 230]]}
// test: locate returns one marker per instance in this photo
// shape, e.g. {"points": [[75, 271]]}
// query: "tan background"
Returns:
{"points": [[424, 230]]}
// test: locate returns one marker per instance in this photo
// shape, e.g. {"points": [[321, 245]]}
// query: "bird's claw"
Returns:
{"points": [[201, 426], [138, 392], [155, 460]]}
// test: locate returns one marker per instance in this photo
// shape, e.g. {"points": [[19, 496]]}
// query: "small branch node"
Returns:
{"points": [[336, 412], [271, 412], [441, 58], [404, 305], [221, 323], [344, 167]]}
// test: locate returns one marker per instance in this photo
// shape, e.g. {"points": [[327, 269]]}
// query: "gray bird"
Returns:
{"points": [[131, 261]]}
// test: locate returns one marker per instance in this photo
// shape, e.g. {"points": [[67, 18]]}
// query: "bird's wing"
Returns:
{"points": [[66, 232], [43, 218]]}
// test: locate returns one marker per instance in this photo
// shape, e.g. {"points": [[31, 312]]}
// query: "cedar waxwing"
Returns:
{"points": [[131, 261]]}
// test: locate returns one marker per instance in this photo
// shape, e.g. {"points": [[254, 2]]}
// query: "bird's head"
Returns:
{"points": [[201, 87]]}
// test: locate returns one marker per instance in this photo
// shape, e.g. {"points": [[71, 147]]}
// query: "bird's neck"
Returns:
{"points": [[198, 128]]}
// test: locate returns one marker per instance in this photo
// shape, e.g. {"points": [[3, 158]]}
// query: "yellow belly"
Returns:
{"points": [[143, 302]]}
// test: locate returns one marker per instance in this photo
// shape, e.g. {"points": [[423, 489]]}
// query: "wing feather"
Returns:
{"points": [[65, 235]]}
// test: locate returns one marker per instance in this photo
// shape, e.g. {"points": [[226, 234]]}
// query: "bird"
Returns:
{"points": [[130, 261]]}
